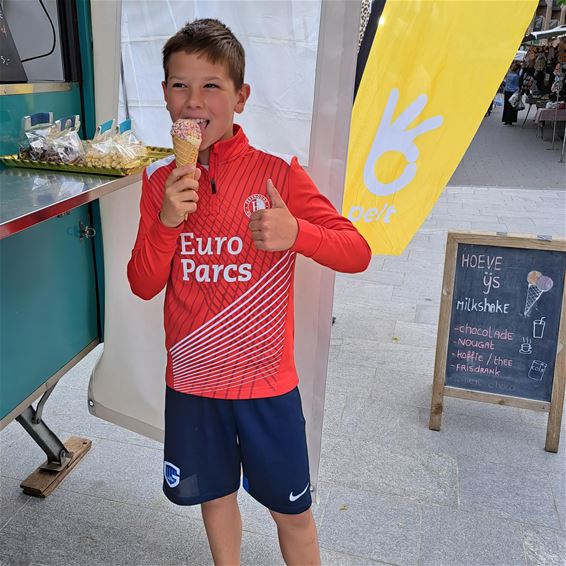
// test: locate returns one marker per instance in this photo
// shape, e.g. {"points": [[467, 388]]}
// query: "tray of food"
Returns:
{"points": [[56, 146]]}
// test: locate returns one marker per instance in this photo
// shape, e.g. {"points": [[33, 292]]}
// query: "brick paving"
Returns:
{"points": [[511, 156]]}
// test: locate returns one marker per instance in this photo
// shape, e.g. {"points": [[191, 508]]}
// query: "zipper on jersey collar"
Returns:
{"points": [[212, 171]]}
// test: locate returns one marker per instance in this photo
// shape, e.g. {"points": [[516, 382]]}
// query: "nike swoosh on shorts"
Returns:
{"points": [[295, 497]]}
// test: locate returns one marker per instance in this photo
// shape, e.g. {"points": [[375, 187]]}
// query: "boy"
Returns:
{"points": [[232, 401]]}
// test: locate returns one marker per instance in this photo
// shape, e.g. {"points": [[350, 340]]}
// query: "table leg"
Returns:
{"points": [[528, 110], [554, 127]]}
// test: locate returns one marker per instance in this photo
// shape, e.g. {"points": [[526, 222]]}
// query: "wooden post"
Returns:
{"points": [[548, 15], [557, 399], [436, 405]]}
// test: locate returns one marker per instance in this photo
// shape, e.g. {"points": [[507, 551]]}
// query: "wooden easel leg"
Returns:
{"points": [[436, 407], [554, 421]]}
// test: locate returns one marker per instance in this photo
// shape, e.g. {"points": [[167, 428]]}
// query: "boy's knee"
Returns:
{"points": [[300, 521], [219, 502]]}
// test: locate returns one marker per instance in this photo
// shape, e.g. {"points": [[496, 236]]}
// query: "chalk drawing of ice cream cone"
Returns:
{"points": [[538, 284]]}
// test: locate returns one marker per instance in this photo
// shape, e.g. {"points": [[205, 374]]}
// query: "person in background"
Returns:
{"points": [[526, 77], [511, 86], [540, 70]]}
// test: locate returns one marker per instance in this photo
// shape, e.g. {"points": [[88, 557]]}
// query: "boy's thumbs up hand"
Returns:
{"points": [[274, 229]]}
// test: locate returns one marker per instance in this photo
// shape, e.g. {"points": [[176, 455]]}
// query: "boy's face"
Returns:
{"points": [[197, 88]]}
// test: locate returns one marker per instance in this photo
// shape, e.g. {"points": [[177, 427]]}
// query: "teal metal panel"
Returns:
{"points": [[14, 107], [87, 66], [89, 122], [47, 303], [50, 278]]}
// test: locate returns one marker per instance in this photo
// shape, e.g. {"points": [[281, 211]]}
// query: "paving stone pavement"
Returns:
{"points": [[512, 156], [480, 492]]}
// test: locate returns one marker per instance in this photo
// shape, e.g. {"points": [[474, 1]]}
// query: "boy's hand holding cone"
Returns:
{"points": [[180, 197]]}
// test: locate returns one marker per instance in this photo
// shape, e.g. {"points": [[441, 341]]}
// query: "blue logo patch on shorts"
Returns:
{"points": [[172, 474]]}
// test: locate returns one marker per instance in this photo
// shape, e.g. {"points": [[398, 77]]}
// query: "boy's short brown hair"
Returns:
{"points": [[212, 39]]}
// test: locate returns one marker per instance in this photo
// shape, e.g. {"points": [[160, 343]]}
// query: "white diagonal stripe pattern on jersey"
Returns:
{"points": [[252, 346], [245, 339], [279, 287], [286, 260], [235, 381], [257, 311], [275, 319]]}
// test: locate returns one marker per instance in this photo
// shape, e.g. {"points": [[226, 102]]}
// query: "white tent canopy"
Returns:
{"points": [[546, 34], [280, 40]]}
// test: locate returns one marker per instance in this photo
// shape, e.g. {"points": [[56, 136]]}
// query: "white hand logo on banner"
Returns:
{"points": [[393, 136]]}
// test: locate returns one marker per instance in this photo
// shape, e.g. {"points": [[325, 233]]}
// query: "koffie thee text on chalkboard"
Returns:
{"points": [[505, 319]]}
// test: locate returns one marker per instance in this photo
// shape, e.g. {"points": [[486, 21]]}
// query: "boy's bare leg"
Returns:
{"points": [[297, 538], [223, 526]]}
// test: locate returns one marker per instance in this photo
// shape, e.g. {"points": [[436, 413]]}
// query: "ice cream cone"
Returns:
{"points": [[187, 137], [186, 151], [533, 295]]}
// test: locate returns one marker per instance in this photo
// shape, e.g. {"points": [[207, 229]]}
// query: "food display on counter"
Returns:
{"points": [[54, 142], [114, 149]]}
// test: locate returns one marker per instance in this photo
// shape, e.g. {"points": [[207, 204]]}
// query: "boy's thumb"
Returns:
{"points": [[273, 193]]}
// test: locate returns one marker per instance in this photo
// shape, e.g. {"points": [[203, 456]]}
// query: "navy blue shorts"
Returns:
{"points": [[209, 441]]}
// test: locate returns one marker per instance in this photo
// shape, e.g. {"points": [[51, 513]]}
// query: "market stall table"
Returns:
{"points": [[553, 115], [49, 300], [532, 101]]}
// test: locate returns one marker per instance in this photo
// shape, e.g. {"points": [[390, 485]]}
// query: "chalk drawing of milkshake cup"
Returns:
{"points": [[538, 284], [537, 370], [538, 327]]}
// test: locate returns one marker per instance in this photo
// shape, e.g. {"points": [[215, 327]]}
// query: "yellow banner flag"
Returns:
{"points": [[433, 69]]}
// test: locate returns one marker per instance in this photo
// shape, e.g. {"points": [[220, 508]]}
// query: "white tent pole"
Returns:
{"points": [[106, 16]]}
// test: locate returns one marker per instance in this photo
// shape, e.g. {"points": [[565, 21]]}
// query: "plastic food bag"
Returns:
{"points": [[515, 98], [131, 150], [64, 143], [35, 132], [98, 151], [114, 148]]}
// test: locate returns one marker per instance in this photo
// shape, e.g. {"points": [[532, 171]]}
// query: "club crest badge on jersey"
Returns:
{"points": [[254, 203], [172, 474]]}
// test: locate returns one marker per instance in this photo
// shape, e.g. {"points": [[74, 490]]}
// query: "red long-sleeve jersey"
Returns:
{"points": [[229, 306]]}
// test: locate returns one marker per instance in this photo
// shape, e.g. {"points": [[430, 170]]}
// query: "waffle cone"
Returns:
{"points": [[186, 151]]}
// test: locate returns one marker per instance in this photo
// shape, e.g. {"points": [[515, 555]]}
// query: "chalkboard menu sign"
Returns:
{"points": [[501, 320], [11, 68]]}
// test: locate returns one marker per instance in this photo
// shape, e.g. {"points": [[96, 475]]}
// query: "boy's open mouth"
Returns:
{"points": [[202, 123]]}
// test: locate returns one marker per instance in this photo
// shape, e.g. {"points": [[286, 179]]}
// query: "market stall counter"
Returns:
{"points": [[551, 115], [49, 299]]}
